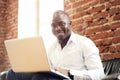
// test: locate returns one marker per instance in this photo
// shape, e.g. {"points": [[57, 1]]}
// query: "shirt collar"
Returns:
{"points": [[72, 38]]}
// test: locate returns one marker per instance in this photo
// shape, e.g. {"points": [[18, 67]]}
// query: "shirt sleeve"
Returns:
{"points": [[92, 62]]}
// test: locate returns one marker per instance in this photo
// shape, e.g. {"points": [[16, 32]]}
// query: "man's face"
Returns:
{"points": [[61, 26]]}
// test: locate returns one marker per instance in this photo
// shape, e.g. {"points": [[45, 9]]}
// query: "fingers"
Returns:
{"points": [[63, 71]]}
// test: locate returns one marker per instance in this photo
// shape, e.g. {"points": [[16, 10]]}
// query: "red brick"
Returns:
{"points": [[78, 15], [102, 21], [117, 17], [66, 7], [92, 31], [104, 49], [108, 5], [116, 40], [77, 22], [110, 18], [88, 18], [72, 0], [116, 55], [82, 8], [107, 56], [107, 42], [103, 1], [115, 2], [100, 15], [77, 28], [98, 43], [96, 23], [76, 4], [112, 49], [114, 11], [102, 35], [96, 9], [79, 3], [118, 48], [117, 32], [91, 23], [82, 2], [105, 28], [115, 25], [94, 2]]}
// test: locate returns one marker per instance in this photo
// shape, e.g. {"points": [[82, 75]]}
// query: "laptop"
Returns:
{"points": [[29, 55]]}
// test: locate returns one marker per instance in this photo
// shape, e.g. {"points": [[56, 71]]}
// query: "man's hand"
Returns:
{"points": [[63, 71]]}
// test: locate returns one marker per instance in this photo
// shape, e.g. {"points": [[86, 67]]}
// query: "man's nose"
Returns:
{"points": [[58, 28]]}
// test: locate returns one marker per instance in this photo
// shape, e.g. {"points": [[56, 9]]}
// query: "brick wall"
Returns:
{"points": [[8, 28], [2, 34], [11, 19], [98, 20]]}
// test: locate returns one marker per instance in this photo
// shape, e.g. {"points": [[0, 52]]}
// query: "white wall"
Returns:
{"points": [[46, 10], [34, 18], [27, 18]]}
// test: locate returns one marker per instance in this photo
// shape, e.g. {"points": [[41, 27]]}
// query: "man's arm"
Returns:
{"points": [[92, 63]]}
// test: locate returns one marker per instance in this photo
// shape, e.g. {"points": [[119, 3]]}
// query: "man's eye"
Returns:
{"points": [[61, 24], [53, 25]]}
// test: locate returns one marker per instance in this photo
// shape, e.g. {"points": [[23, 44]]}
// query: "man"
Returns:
{"points": [[73, 55]]}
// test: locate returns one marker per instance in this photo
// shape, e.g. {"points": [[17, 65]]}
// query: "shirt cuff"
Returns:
{"points": [[76, 73]]}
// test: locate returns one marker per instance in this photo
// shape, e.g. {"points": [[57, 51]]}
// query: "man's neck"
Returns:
{"points": [[63, 42]]}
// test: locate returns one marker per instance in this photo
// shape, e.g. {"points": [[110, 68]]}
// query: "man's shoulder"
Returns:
{"points": [[81, 37], [83, 40]]}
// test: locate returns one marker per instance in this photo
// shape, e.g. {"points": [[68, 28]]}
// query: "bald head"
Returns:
{"points": [[60, 14]]}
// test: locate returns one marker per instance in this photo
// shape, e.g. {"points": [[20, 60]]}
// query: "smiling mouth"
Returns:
{"points": [[60, 33]]}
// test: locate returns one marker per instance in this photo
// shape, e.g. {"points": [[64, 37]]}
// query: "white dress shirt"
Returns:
{"points": [[80, 56]]}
